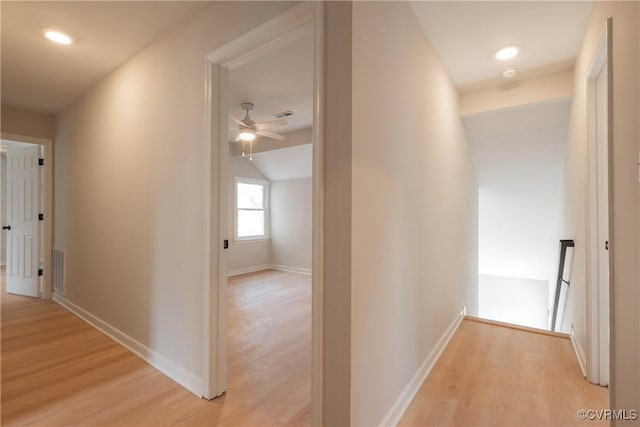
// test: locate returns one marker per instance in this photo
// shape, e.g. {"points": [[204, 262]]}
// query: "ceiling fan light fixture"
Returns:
{"points": [[247, 134], [248, 129]]}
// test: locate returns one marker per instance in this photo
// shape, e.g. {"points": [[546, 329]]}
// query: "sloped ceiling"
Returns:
{"points": [[286, 163], [280, 81]]}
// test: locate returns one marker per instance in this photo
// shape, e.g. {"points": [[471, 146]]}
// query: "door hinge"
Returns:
{"points": [[40, 272], [41, 217], [41, 162]]}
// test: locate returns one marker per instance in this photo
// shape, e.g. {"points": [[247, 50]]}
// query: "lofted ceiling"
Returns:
{"points": [[467, 34], [40, 76], [285, 163], [279, 81]]}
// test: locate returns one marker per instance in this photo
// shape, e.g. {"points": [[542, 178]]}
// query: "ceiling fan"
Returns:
{"points": [[248, 129]]}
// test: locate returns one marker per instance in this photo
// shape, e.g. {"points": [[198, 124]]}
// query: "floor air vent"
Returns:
{"points": [[58, 271]]}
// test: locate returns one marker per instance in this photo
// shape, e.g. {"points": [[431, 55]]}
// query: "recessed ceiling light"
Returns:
{"points": [[57, 36], [507, 53], [509, 72]]}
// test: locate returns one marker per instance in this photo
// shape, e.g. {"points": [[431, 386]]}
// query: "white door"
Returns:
{"points": [[22, 220], [603, 223]]}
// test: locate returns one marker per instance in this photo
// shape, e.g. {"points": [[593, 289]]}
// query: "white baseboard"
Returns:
{"points": [[299, 270], [409, 393], [239, 271], [577, 348], [178, 374], [246, 270]]}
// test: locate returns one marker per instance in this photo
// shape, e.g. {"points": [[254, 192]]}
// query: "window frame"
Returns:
{"points": [[265, 208]]}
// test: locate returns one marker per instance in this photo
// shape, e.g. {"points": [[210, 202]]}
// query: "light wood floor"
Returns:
{"points": [[495, 376], [59, 371]]}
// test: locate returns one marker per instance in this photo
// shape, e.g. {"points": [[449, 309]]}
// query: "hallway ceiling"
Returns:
{"points": [[40, 76], [467, 34]]}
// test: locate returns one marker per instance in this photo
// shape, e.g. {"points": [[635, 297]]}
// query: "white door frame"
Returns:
{"points": [[303, 19], [598, 298], [46, 201]]}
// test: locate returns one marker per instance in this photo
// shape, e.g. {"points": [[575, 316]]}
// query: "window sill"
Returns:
{"points": [[257, 240]]}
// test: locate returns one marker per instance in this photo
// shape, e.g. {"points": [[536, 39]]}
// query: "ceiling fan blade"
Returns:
{"points": [[270, 135], [271, 124], [237, 120]]}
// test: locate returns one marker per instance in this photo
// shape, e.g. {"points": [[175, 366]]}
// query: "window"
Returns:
{"points": [[252, 212]]}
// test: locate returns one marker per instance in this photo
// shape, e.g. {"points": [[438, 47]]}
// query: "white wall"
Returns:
{"points": [[513, 300], [129, 180], [290, 204], [625, 234], [413, 221], [247, 255], [518, 157], [291, 223], [508, 94], [3, 209], [26, 123]]}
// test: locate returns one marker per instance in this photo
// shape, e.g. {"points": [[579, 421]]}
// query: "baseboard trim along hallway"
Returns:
{"points": [[517, 327], [289, 269], [577, 348], [409, 393], [178, 374]]}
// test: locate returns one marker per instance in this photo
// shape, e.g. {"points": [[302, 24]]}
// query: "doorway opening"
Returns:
{"points": [[518, 155], [599, 206], [265, 218], [268, 259], [26, 216]]}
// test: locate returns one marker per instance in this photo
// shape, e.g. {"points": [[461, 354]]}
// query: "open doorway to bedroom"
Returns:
{"points": [[267, 200]]}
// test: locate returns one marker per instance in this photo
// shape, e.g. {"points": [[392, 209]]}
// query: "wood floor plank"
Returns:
{"points": [[59, 371], [494, 376]]}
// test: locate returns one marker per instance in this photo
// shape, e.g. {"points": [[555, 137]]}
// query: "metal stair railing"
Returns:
{"points": [[564, 245]]}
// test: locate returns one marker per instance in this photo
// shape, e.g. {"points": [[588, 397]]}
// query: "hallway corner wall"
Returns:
{"points": [[414, 217]]}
